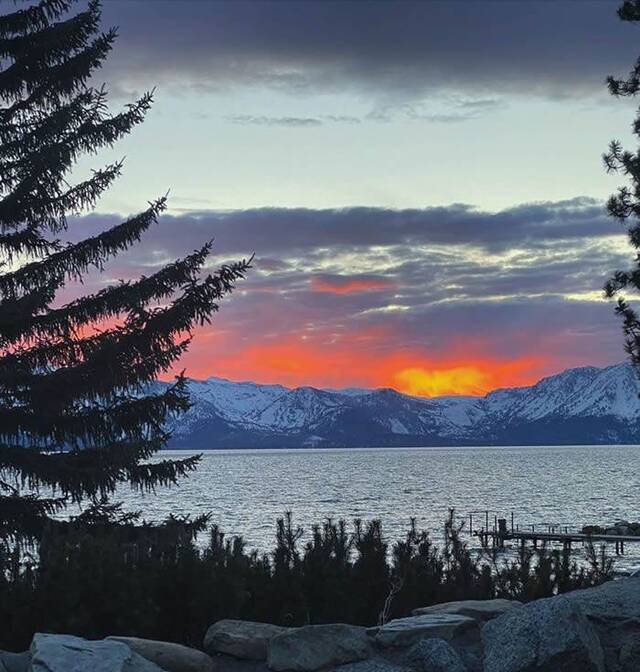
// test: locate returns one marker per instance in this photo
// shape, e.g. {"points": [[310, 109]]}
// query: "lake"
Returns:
{"points": [[246, 490]]}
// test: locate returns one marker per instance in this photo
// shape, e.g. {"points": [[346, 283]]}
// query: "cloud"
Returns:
{"points": [[527, 227], [408, 51], [445, 110], [300, 122], [341, 284], [405, 298], [248, 119]]}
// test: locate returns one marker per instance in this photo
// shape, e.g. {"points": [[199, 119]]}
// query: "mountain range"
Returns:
{"points": [[586, 405]]}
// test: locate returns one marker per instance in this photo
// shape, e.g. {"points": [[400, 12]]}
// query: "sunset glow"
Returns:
{"points": [[347, 285], [436, 382], [297, 362]]}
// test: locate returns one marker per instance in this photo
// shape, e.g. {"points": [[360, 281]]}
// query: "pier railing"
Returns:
{"points": [[495, 530]]}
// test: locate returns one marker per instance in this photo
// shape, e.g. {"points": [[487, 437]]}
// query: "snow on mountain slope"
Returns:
{"points": [[602, 401], [235, 401], [586, 391], [297, 408]]}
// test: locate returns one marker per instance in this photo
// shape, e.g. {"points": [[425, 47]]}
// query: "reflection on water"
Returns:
{"points": [[246, 490]]}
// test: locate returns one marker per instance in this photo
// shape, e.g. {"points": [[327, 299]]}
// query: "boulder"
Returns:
{"points": [[630, 654], [614, 611], [66, 653], [549, 635], [226, 663], [313, 647], [435, 655], [371, 665], [617, 600], [479, 610], [169, 656], [243, 639], [404, 632], [14, 662]]}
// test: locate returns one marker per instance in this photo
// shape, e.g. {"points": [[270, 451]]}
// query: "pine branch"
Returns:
{"points": [[91, 425], [52, 41], [34, 54], [39, 174], [91, 474], [105, 304], [25, 243], [35, 17], [25, 517], [75, 260], [98, 365], [45, 127], [62, 80]]}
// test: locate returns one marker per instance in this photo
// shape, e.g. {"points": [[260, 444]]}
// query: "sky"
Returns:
{"points": [[421, 183]]}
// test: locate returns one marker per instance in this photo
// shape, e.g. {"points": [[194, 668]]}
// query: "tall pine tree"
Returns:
{"points": [[76, 415], [624, 205]]}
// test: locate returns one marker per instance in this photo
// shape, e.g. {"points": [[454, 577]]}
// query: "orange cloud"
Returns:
{"points": [[339, 284], [359, 360]]}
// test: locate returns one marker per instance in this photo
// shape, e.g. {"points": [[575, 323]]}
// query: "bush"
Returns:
{"points": [[137, 581]]}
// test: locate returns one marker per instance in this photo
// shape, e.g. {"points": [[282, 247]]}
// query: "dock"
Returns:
{"points": [[497, 532]]}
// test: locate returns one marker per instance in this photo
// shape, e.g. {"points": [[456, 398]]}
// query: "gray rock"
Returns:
{"points": [[630, 654], [313, 647], [480, 610], [614, 610], [617, 600], [243, 639], [472, 660], [550, 635], [226, 663], [169, 656], [404, 632], [371, 665], [66, 653], [14, 662], [435, 655]]}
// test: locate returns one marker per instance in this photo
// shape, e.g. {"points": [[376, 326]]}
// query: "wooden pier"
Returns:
{"points": [[497, 534]]}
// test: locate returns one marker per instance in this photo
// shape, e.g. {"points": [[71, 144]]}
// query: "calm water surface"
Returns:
{"points": [[246, 490]]}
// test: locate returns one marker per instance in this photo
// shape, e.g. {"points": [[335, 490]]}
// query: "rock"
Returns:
{"points": [[435, 655], [14, 662], [549, 635], [619, 600], [630, 654], [614, 610], [472, 661], [371, 665], [479, 610], [66, 653], [407, 631], [313, 647], [242, 639], [169, 656]]}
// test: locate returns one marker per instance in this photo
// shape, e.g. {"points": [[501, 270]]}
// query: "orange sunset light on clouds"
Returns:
{"points": [[293, 361]]}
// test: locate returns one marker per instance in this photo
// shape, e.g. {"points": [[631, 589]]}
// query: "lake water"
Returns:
{"points": [[246, 490]]}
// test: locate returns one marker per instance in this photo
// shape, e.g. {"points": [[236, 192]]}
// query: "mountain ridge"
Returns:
{"points": [[580, 405]]}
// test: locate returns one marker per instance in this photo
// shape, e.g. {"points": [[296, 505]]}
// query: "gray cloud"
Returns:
{"points": [[506, 284], [407, 50], [262, 120], [295, 230]]}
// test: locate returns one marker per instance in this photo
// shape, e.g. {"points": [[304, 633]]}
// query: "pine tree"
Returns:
{"points": [[76, 414], [624, 205]]}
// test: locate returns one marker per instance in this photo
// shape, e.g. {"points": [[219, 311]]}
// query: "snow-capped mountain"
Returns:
{"points": [[584, 405]]}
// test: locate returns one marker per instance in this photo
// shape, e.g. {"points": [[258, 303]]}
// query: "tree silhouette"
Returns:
{"points": [[76, 414], [624, 205]]}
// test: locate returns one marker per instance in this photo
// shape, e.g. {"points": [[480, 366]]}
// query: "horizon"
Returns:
{"points": [[340, 390], [384, 257]]}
